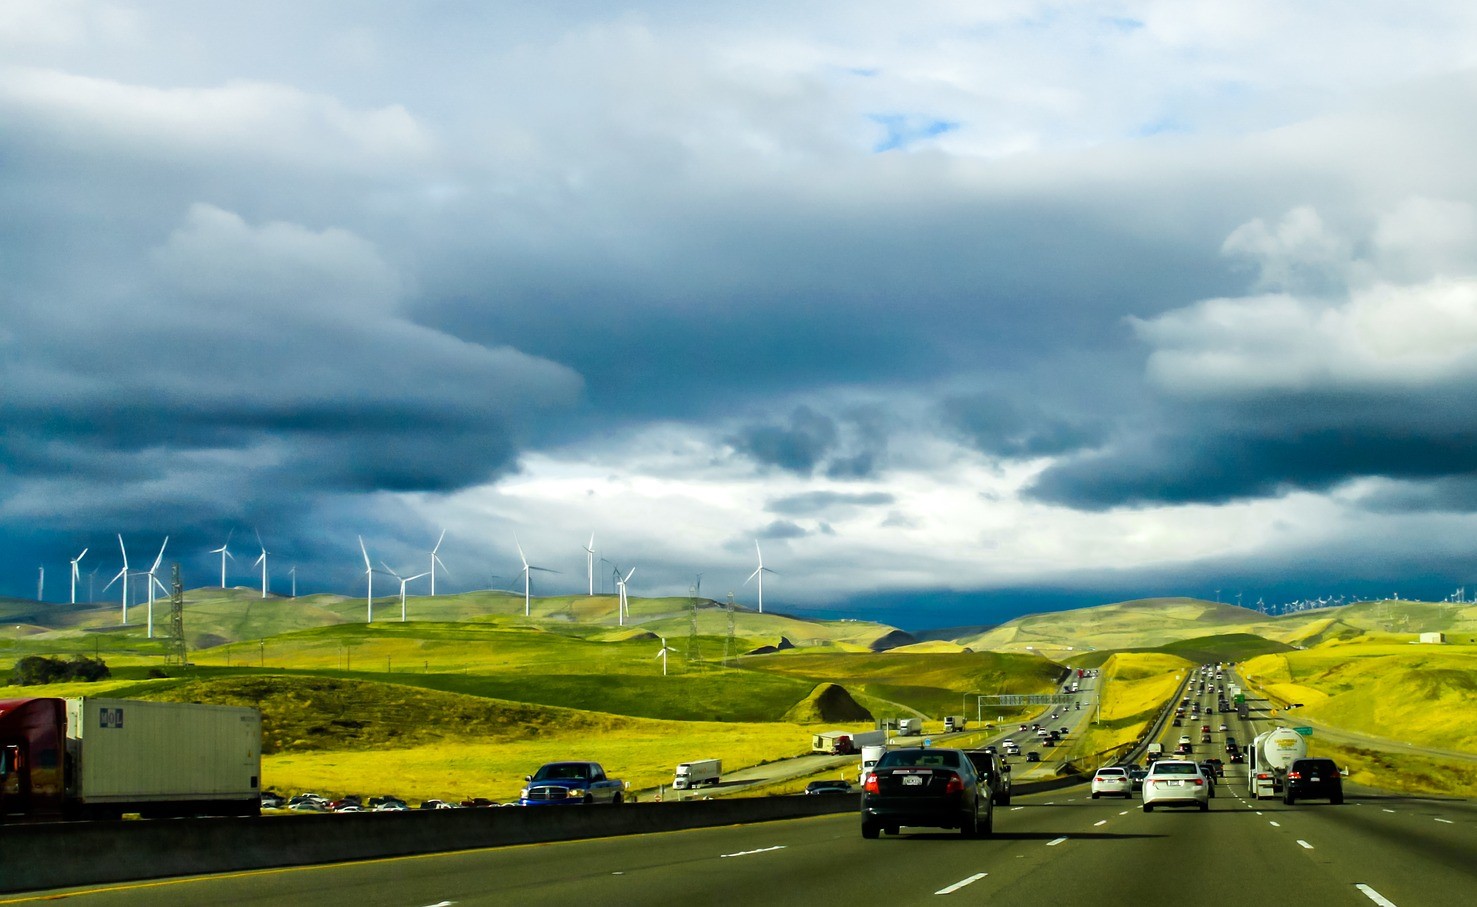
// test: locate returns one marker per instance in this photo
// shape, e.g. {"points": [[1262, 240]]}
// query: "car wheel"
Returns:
{"points": [[869, 830], [969, 826], [616, 800], [1148, 807], [589, 800], [989, 827], [1337, 799], [1288, 799], [1205, 806], [1094, 795], [1004, 801]]}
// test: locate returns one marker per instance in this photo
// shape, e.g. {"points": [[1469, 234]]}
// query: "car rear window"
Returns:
{"points": [[942, 758], [1315, 765], [1174, 768], [1110, 771]]}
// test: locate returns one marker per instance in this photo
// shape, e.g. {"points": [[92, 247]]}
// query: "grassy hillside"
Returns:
{"points": [[1419, 693], [1136, 685]]}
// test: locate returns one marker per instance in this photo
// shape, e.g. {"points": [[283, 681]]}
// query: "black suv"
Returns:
{"points": [[1317, 778], [995, 771], [934, 787]]}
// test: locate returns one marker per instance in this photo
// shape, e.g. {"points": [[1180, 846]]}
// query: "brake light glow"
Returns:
{"points": [[955, 785], [870, 785], [1294, 776]]}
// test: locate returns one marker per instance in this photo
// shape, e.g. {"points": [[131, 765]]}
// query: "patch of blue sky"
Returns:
{"points": [[1122, 23], [904, 131], [1163, 126]]}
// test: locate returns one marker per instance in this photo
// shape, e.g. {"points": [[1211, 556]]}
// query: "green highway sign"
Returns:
{"points": [[1305, 731]]}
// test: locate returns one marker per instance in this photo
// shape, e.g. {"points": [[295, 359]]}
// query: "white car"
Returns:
{"points": [[1175, 782], [1111, 779]]}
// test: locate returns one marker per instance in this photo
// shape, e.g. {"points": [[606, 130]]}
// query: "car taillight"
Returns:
{"points": [[1097, 779], [955, 785], [1293, 776], [1199, 782], [870, 785]]}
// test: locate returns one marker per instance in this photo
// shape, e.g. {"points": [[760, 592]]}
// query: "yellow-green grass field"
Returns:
{"points": [[1393, 770], [1406, 692], [1135, 685]]}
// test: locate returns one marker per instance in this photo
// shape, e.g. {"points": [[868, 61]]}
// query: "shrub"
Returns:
{"points": [[38, 669]]}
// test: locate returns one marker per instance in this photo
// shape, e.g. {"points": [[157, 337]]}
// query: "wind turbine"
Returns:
{"points": [[590, 562], [527, 582], [622, 607], [262, 559], [369, 577], [434, 561], [123, 575], [41, 583], [759, 572], [224, 554], [663, 654], [403, 580], [151, 582], [92, 584], [75, 561], [293, 573]]}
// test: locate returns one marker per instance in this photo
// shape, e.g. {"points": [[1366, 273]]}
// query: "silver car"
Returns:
{"points": [[1175, 782]]}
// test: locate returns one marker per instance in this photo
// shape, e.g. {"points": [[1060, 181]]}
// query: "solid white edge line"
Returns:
{"points": [[1389, 810], [1100, 822], [1447, 821], [1014, 808], [958, 885], [1057, 841], [1375, 895], [1305, 844]]}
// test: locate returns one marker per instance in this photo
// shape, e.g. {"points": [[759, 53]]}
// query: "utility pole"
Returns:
{"points": [[174, 651]]}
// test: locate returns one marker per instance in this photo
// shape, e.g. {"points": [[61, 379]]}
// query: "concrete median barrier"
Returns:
{"points": [[37, 857]]}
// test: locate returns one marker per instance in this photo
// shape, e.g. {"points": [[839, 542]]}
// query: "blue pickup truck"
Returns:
{"points": [[571, 784]]}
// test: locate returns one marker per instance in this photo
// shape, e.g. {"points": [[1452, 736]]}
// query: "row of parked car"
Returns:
{"points": [[352, 803]]}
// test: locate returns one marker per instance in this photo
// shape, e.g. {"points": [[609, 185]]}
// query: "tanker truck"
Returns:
{"points": [[1269, 756], [90, 758]]}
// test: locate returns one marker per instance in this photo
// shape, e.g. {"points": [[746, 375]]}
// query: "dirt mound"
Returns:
{"points": [[892, 640], [828, 703]]}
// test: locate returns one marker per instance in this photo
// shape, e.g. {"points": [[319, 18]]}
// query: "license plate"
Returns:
{"points": [[1314, 778], [913, 780]]}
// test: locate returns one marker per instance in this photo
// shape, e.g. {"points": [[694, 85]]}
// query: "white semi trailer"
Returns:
{"points": [[1269, 756], [691, 774]]}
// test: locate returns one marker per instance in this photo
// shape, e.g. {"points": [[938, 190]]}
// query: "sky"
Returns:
{"points": [[957, 310]]}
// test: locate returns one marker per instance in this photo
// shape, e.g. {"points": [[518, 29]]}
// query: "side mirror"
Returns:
{"points": [[1005, 767], [527, 777], [1344, 772]]}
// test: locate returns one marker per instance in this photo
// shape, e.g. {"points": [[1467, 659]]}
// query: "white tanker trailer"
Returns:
{"points": [[1269, 756]]}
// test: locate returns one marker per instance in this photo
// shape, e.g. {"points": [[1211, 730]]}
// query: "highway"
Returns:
{"points": [[1056, 848]]}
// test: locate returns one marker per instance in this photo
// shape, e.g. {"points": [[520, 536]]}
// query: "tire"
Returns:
{"points": [[989, 827], [869, 830], [1148, 807], [1205, 806], [616, 800], [589, 800], [969, 826], [1004, 801], [1094, 795], [1288, 799]]}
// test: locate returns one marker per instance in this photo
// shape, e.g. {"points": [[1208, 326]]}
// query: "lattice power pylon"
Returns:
{"points": [[729, 649], [174, 652], [694, 654]]}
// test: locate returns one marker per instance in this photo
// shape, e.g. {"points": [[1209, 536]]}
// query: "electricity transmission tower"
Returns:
{"points": [[174, 652]]}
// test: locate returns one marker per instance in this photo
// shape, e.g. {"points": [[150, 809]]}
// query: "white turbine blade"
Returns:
{"points": [[544, 569], [160, 557], [519, 546], [628, 576], [388, 570], [442, 563], [362, 549], [417, 576], [438, 543], [82, 555], [124, 550], [751, 577], [114, 579], [159, 584], [261, 557]]}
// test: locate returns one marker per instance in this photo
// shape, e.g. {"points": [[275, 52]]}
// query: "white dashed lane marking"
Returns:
{"points": [[1447, 821], [1276, 824], [958, 885], [1100, 822], [1056, 841], [745, 853], [1375, 895], [1305, 844]]}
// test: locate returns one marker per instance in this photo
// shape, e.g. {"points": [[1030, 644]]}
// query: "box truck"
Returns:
{"points": [[954, 723], [870, 755], [909, 727], [691, 774], [100, 758]]}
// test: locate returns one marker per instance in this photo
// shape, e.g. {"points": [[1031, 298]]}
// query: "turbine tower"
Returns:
{"points": [[224, 554], [75, 561], [527, 582], [403, 580], [759, 572], [152, 581], [41, 583], [123, 575], [434, 561], [662, 654], [590, 562], [622, 604], [293, 573], [369, 577], [262, 559]]}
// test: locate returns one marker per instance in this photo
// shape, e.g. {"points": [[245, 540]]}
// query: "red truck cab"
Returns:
{"points": [[32, 750]]}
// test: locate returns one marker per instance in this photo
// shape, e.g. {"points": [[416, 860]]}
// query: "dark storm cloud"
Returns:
{"points": [[1221, 451], [782, 529], [798, 446], [997, 425]]}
